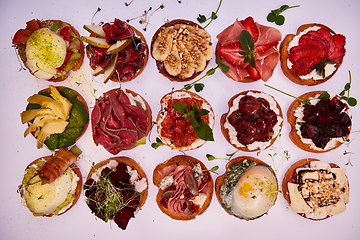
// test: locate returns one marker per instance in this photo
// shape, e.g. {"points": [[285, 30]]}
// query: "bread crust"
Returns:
{"points": [[225, 131], [159, 64], [292, 120], [181, 160], [146, 57], [78, 189], [131, 163], [79, 61], [290, 175], [163, 104], [220, 179], [284, 55]]}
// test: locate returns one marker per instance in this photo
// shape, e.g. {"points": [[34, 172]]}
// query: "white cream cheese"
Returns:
{"points": [[299, 114], [232, 131], [133, 99], [179, 95], [329, 68]]}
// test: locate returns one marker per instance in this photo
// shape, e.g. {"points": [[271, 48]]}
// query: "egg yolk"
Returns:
{"points": [[245, 188]]}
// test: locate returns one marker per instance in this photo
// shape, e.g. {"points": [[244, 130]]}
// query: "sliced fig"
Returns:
{"points": [[191, 183]]}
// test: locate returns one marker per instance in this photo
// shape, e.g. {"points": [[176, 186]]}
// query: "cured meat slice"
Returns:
{"points": [[303, 66], [118, 123], [118, 30], [339, 51], [309, 50], [327, 35], [309, 39]]}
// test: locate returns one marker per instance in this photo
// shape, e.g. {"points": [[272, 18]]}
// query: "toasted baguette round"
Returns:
{"points": [[159, 64], [129, 162], [146, 57], [291, 176], [78, 189], [148, 111], [225, 131], [78, 97], [163, 111], [292, 120], [220, 179], [181, 160], [284, 55], [79, 61]]}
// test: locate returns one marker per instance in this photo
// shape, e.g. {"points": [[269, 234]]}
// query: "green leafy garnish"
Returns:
{"points": [[157, 144], [247, 43], [202, 18], [213, 170], [200, 86], [193, 114], [350, 100], [320, 67], [275, 15], [230, 155]]}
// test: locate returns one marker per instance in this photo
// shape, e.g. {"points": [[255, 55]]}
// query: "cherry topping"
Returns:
{"points": [[249, 105]]}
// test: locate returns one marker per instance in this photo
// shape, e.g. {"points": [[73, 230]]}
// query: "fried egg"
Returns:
{"points": [[255, 193], [45, 51]]}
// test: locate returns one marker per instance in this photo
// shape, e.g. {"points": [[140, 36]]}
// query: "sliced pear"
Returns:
{"points": [[110, 70], [141, 141], [98, 70], [94, 30], [95, 41], [119, 45]]}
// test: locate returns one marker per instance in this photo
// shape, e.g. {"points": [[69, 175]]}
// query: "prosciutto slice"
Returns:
{"points": [[116, 123], [265, 61]]}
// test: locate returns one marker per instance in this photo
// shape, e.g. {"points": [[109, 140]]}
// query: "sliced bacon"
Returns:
{"points": [[56, 165], [117, 124]]}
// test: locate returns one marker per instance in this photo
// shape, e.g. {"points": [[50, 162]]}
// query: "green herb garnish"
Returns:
{"points": [[202, 18], [275, 15], [350, 100], [213, 170], [230, 155], [193, 114], [247, 43], [157, 144]]}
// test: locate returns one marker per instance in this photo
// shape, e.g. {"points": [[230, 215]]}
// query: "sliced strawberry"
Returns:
{"points": [[308, 39], [231, 53], [253, 72], [327, 35], [64, 32], [33, 25], [250, 26], [339, 51], [264, 48], [309, 50], [303, 66]]}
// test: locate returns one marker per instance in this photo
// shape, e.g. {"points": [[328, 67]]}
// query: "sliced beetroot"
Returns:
{"points": [[309, 130]]}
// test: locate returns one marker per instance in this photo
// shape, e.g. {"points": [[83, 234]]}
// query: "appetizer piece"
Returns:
{"points": [[116, 189], [51, 184], [182, 50], [313, 55], [253, 122], [121, 120], [248, 188], [185, 187], [50, 49], [117, 50], [321, 123], [185, 121], [316, 190], [56, 117], [249, 49]]}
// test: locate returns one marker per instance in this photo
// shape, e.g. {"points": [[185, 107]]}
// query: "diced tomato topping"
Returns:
{"points": [[33, 25], [64, 32], [21, 36]]}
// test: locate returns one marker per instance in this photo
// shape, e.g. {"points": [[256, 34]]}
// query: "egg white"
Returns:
{"points": [[45, 51], [255, 193]]}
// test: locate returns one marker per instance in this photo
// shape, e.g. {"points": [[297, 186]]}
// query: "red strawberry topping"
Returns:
{"points": [[231, 53], [250, 26], [253, 72]]}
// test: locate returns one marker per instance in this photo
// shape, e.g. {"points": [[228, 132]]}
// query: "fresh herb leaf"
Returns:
{"points": [[199, 87], [213, 170], [180, 107], [203, 131], [247, 43], [157, 144], [210, 157], [225, 68], [275, 15], [350, 100], [202, 18], [324, 96]]}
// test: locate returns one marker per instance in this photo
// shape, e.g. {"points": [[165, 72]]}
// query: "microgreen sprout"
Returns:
{"points": [[350, 100], [98, 10], [200, 86], [229, 155], [348, 153], [213, 170], [128, 4], [202, 18], [157, 144], [145, 17], [275, 15]]}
